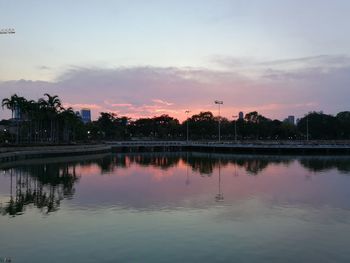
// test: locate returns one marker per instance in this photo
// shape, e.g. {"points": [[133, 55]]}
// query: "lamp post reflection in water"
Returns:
{"points": [[187, 177], [11, 183], [236, 173], [219, 196]]}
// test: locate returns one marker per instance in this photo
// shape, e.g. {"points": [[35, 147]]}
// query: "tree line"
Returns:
{"points": [[41, 121], [47, 121]]}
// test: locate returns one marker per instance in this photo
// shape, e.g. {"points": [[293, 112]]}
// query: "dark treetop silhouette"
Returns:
{"points": [[47, 121]]}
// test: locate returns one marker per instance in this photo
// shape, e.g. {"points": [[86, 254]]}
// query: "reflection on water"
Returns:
{"points": [[41, 185], [326, 163], [176, 207], [45, 184]]}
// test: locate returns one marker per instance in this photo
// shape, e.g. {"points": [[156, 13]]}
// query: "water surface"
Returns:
{"points": [[176, 207]]}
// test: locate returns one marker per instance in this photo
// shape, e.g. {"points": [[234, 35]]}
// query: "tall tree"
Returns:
{"points": [[319, 126], [52, 106]]}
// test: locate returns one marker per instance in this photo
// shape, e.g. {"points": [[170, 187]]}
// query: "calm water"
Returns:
{"points": [[176, 207]]}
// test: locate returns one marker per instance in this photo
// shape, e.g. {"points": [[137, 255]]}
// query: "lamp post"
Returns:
{"points": [[235, 116], [219, 102], [307, 128], [187, 112], [7, 31]]}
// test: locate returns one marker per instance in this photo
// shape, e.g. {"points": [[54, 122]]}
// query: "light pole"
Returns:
{"points": [[219, 102], [235, 116], [307, 128], [187, 112], [7, 31]]}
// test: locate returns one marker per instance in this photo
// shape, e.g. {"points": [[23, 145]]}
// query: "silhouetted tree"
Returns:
{"points": [[320, 126]]}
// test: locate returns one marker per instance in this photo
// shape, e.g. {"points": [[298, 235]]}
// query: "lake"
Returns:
{"points": [[176, 207]]}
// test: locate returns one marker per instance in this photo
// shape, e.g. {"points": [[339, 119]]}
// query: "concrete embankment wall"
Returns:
{"points": [[10, 154]]}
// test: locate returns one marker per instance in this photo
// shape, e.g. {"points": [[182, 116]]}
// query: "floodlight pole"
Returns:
{"points": [[219, 102], [4, 31], [307, 128], [235, 116], [187, 112]]}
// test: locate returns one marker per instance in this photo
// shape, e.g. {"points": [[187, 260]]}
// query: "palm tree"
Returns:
{"points": [[42, 120], [20, 107], [15, 104], [52, 102], [69, 122], [52, 106], [30, 109], [10, 104]]}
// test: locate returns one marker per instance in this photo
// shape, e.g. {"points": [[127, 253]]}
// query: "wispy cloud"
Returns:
{"points": [[43, 67], [249, 66], [162, 102], [82, 105], [313, 61]]}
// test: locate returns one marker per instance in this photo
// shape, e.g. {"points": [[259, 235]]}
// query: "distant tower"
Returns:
{"points": [[291, 119], [240, 115], [85, 115], [17, 113]]}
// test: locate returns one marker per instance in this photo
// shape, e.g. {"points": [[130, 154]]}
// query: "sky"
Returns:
{"points": [[146, 58]]}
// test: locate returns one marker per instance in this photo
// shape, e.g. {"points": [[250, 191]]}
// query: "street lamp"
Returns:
{"points": [[7, 31], [219, 102], [307, 127], [187, 112], [235, 116]]}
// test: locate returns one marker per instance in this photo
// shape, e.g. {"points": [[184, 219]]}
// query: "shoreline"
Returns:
{"points": [[13, 153]]}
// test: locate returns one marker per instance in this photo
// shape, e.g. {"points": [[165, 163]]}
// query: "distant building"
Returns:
{"points": [[17, 113], [85, 115], [78, 114], [240, 115], [290, 119]]}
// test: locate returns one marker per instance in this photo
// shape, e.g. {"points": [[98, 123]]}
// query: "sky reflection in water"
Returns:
{"points": [[172, 207]]}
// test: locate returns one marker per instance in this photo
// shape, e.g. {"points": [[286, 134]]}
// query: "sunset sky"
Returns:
{"points": [[146, 58]]}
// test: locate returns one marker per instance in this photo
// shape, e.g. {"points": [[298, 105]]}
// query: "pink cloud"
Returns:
{"points": [[78, 106], [149, 91], [162, 102], [121, 105]]}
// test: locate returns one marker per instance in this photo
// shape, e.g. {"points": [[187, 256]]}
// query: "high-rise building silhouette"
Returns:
{"points": [[290, 119], [85, 115]]}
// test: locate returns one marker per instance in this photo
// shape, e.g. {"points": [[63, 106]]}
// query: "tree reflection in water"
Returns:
{"points": [[206, 163], [341, 163], [43, 186], [202, 163]]}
